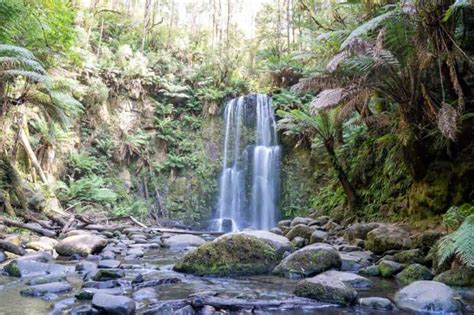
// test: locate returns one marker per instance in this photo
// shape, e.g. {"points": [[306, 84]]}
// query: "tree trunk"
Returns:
{"points": [[31, 155], [341, 174]]}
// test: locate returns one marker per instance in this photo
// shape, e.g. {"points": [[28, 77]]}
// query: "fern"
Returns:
{"points": [[459, 244]]}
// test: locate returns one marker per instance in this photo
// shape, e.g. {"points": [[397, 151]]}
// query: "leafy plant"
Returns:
{"points": [[87, 189], [455, 216]]}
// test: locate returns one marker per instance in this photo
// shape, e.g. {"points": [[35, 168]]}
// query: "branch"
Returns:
{"points": [[313, 16]]}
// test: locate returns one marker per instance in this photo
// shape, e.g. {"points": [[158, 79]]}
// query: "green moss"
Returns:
{"points": [[235, 255], [336, 293], [461, 277], [12, 269], [414, 273], [388, 268]]}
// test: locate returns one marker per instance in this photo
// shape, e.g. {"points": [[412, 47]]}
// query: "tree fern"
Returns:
{"points": [[459, 244]]}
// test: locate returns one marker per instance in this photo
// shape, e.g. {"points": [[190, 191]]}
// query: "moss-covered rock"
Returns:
{"points": [[309, 261], [388, 237], [413, 273], [300, 230], [389, 268], [371, 271], [359, 230], [460, 277], [411, 256], [237, 254]]}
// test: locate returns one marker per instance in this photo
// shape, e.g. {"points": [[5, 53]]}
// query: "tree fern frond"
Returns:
{"points": [[458, 244], [29, 75], [10, 63], [11, 50], [456, 6]]}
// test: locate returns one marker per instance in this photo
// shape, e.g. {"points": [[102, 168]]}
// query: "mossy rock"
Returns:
{"points": [[388, 237], [389, 268], [411, 256], [300, 230], [370, 271], [413, 273], [460, 277], [235, 255]]}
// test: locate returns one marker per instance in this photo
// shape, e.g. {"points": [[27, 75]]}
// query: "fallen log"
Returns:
{"points": [[154, 283], [12, 248], [180, 231], [134, 220], [55, 218], [30, 227], [68, 224]]}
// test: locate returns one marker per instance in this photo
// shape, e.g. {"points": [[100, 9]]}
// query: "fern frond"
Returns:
{"points": [[459, 244]]}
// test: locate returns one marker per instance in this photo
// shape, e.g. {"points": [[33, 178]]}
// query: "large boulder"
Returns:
{"points": [[300, 220], [182, 241], [29, 268], [47, 288], [326, 289], [359, 230], [309, 261], [388, 268], [411, 256], [349, 278], [318, 236], [429, 297], [378, 303], [42, 244], [234, 254], [300, 230], [413, 273], [80, 244], [280, 243], [459, 277], [387, 237], [113, 304], [356, 260]]}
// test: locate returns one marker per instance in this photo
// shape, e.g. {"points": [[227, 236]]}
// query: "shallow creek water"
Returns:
{"points": [[157, 264]]}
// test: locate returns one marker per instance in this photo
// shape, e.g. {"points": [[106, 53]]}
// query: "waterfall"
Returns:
{"points": [[248, 187]]}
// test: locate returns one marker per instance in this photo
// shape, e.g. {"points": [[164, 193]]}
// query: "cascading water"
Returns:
{"points": [[248, 188]]}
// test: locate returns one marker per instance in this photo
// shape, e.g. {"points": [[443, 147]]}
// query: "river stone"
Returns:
{"points": [[411, 256], [112, 304], [348, 278], [299, 242], [29, 268], [277, 231], [106, 255], [144, 294], [42, 244], [88, 293], [84, 310], [309, 261], [326, 289], [389, 268], [378, 303], [356, 260], [46, 279], [300, 220], [109, 264], [414, 272], [47, 288], [3, 257], [284, 223], [359, 231], [428, 297], [427, 239], [77, 232], [387, 237], [136, 252], [187, 310], [321, 220], [182, 241], [459, 276], [318, 236], [62, 305], [233, 254], [300, 230], [80, 244], [279, 243], [370, 271], [108, 274]]}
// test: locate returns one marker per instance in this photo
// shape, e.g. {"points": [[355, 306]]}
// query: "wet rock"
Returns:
{"points": [[182, 241], [387, 237], [411, 256], [331, 227], [80, 244], [86, 268], [101, 284], [459, 277], [84, 310], [47, 288], [233, 254], [377, 303], [42, 244], [3, 257], [207, 310], [46, 279], [93, 257], [300, 230], [187, 310], [321, 220], [137, 252], [29, 268], [356, 260], [144, 294], [277, 231], [111, 304], [359, 231], [348, 278], [318, 237], [309, 261], [429, 297], [88, 293], [299, 242], [300, 220], [414, 272], [155, 282], [77, 232], [284, 223], [108, 274], [389, 268], [326, 289], [350, 248], [427, 239], [109, 264], [280, 243], [62, 305], [371, 271]]}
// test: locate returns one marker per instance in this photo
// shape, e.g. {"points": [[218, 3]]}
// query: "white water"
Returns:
{"points": [[248, 188]]}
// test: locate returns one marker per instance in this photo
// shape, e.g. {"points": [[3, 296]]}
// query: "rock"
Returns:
{"points": [[187, 310], [299, 242], [109, 264], [136, 252], [111, 304], [107, 255], [83, 310], [359, 231], [300, 230], [182, 241], [350, 248], [29, 268], [80, 244], [309, 261], [371, 271], [46, 279], [459, 277], [326, 289], [276, 231], [284, 223], [233, 254], [427, 239], [77, 232], [47, 288], [279, 243], [428, 297], [318, 237], [378, 303], [349, 279], [389, 268], [62, 305], [354, 261], [321, 220], [387, 237], [331, 227], [101, 284], [411, 256], [88, 293], [300, 220], [108, 274], [144, 294], [3, 257], [42, 244], [414, 272]]}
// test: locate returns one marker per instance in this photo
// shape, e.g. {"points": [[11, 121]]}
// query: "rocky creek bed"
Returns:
{"points": [[317, 267]]}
